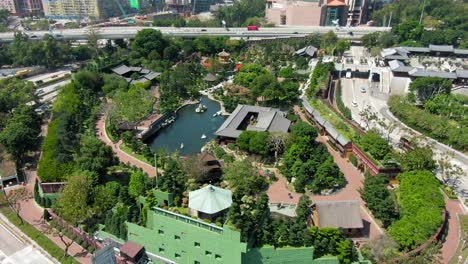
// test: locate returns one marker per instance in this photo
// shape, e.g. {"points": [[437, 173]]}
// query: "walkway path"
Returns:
{"points": [[452, 240], [33, 213], [120, 154], [278, 192]]}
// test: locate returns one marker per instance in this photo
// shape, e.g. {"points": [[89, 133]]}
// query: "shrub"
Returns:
{"points": [[231, 146], [353, 160]]}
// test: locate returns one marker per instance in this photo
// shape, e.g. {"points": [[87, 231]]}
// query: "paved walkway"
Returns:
{"points": [[120, 154], [279, 192], [452, 240], [33, 213]]}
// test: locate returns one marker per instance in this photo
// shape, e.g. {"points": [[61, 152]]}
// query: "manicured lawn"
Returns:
{"points": [[462, 249], [41, 239], [338, 123], [127, 150]]}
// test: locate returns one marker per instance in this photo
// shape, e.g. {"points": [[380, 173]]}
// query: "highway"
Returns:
{"points": [[130, 32]]}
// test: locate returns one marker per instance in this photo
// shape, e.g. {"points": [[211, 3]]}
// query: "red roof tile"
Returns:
{"points": [[131, 249]]}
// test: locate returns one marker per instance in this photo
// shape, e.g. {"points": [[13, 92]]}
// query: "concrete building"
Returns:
{"points": [[317, 12], [71, 9], [30, 8], [169, 237], [293, 13], [9, 5]]}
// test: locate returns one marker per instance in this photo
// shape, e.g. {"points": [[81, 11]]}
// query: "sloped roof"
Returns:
{"points": [[210, 77], [210, 199], [151, 75], [335, 3], [121, 69], [224, 54], [309, 50], [131, 249], [441, 48], [339, 214], [269, 119]]}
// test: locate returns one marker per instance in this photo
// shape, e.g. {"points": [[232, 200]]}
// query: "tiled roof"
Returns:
{"points": [[131, 249], [269, 119], [339, 214]]}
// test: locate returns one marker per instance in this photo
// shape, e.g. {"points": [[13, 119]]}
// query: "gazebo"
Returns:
{"points": [[224, 57], [210, 77], [209, 202]]}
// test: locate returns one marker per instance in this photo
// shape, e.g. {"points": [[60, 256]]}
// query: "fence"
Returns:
{"points": [[75, 230]]}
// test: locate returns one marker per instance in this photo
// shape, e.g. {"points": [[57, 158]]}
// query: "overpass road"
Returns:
{"points": [[130, 32]]}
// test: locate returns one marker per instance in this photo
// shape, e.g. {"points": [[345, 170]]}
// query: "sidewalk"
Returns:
{"points": [[32, 213], [16, 232], [452, 239], [120, 154]]}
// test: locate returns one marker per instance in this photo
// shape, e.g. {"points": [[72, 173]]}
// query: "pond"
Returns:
{"points": [[188, 129]]}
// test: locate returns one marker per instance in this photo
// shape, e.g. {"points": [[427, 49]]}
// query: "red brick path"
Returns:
{"points": [[120, 154], [452, 240]]}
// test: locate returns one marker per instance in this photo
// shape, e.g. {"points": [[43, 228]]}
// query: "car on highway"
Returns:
{"points": [[39, 91], [33, 37], [252, 28], [203, 30]]}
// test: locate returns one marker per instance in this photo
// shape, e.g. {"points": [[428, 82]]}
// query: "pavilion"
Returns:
{"points": [[209, 202]]}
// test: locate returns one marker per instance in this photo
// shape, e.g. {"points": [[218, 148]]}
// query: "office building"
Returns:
{"points": [[9, 5], [71, 9], [30, 8]]}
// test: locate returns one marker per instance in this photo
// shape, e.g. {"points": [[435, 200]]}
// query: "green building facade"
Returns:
{"points": [[185, 240]]}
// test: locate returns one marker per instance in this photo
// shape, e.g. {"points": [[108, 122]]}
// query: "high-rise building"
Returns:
{"points": [[30, 7], [9, 5], [71, 9]]}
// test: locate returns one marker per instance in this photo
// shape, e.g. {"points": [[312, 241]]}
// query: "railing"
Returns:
{"points": [[189, 220], [78, 232]]}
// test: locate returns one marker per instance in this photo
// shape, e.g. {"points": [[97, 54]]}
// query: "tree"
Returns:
{"points": [[174, 178], [74, 204], [113, 82], [368, 116], [134, 104], [94, 155], [243, 174], [105, 197], [328, 176], [450, 172], [197, 169], [136, 186], [342, 45], [278, 141], [14, 92], [15, 197], [55, 228], [256, 142], [373, 143], [302, 129], [427, 87], [303, 210], [20, 133], [419, 158], [148, 41], [379, 199]]}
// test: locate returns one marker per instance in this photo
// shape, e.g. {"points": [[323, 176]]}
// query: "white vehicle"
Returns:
{"points": [[348, 74], [354, 104], [363, 89]]}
